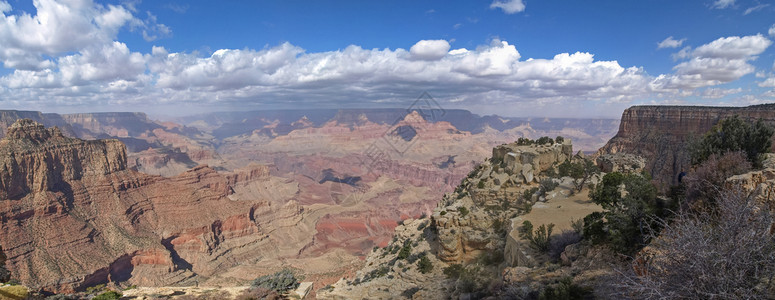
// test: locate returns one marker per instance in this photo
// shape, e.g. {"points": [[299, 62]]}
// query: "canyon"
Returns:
{"points": [[218, 199]]}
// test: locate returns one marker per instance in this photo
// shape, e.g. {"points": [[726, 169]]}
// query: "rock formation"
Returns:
{"points": [[74, 216], [661, 134]]}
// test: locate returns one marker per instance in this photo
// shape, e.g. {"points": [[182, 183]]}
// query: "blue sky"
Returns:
{"points": [[510, 57]]}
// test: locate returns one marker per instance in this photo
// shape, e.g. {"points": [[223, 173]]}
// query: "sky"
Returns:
{"points": [[507, 57]]}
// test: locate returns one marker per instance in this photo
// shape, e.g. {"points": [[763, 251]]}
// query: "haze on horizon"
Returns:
{"points": [[506, 57]]}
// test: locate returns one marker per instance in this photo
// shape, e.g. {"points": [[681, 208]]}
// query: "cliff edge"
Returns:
{"points": [[661, 134]]}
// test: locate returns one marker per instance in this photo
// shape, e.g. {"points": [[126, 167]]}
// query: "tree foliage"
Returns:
{"points": [[629, 206], [540, 239], [581, 171], [734, 134], [544, 140]]}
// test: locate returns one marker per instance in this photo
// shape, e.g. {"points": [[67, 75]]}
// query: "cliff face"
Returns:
{"points": [[34, 159], [661, 134], [72, 215]]}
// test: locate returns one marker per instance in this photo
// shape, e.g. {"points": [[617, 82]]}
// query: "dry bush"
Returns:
{"points": [[702, 183], [257, 293], [724, 253]]}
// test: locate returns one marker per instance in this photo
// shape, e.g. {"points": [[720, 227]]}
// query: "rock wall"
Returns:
{"points": [[72, 215], [34, 159], [661, 134]]}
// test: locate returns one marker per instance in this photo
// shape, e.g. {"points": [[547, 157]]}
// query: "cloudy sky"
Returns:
{"points": [[510, 57]]}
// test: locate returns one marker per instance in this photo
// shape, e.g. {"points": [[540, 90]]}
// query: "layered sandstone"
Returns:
{"points": [[661, 134], [74, 216]]}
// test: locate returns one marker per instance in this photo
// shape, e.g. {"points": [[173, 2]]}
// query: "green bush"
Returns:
{"points": [[580, 171], [559, 139], [424, 265], [625, 216], [281, 281], [544, 140], [480, 184], [548, 185], [524, 141], [734, 134], [463, 211], [565, 289], [109, 295], [405, 250], [540, 239], [454, 271]]}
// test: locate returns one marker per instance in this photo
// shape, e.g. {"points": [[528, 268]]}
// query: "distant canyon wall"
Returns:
{"points": [[661, 134]]}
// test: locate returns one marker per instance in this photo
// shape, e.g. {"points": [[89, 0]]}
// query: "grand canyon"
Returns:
{"points": [[497, 149], [120, 198]]}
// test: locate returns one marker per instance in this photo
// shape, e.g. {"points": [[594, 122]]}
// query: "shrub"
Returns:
{"points": [[559, 139], [565, 289], [725, 253], [527, 195], [280, 282], [109, 295], [256, 293], [623, 223], [480, 184], [524, 141], [548, 185], [463, 211], [453, 271], [538, 239], [544, 140], [424, 265], [527, 207], [734, 134], [580, 171], [577, 225], [405, 250], [14, 292], [703, 182]]}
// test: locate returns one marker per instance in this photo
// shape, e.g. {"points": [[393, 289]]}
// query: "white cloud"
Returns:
{"points": [[58, 27], [716, 93], [429, 49], [92, 68], [720, 61], [769, 82], [508, 6], [771, 32], [754, 8], [670, 42], [721, 4]]}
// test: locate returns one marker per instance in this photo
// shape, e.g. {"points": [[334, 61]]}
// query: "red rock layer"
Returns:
{"points": [[72, 215]]}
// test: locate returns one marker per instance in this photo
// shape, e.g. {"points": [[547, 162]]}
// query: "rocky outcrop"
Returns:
{"points": [[528, 161], [72, 215], [620, 162], [489, 196], [661, 134]]}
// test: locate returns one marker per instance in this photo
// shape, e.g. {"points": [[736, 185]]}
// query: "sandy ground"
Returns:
{"points": [[561, 210], [142, 293]]}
